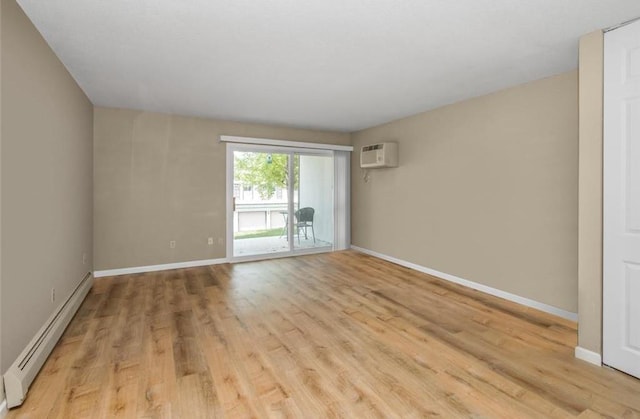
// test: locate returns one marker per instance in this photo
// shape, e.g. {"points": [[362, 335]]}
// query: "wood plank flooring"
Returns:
{"points": [[331, 335]]}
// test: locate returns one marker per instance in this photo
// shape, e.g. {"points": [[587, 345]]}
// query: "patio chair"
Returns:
{"points": [[304, 220]]}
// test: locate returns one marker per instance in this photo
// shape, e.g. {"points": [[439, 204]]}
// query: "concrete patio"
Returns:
{"points": [[266, 245]]}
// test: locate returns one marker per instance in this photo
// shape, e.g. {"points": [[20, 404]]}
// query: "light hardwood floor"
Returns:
{"points": [[332, 335]]}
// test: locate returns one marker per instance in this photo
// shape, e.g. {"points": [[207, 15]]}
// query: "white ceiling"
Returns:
{"points": [[328, 64]]}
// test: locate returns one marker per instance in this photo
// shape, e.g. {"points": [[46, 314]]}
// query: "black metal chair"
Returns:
{"points": [[304, 220]]}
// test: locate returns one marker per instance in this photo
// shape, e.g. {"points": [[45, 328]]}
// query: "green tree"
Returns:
{"points": [[264, 171]]}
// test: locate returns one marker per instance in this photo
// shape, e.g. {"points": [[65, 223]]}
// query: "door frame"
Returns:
{"points": [[276, 149]]}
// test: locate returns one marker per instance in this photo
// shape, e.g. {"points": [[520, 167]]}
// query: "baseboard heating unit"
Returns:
{"points": [[21, 374]]}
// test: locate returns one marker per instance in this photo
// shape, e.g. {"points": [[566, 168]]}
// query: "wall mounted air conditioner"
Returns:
{"points": [[379, 155]]}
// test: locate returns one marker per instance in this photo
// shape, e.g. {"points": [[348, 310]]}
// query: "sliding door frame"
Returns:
{"points": [[291, 152]]}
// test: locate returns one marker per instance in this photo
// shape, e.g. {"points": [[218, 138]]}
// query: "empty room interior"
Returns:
{"points": [[319, 209]]}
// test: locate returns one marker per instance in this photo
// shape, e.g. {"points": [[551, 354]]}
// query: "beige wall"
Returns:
{"points": [[590, 192], [46, 182], [2, 396], [486, 190], [161, 177]]}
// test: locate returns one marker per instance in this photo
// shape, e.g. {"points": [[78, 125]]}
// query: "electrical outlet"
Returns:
{"points": [[53, 295], [84, 258], [220, 241], [210, 241], [172, 244]]}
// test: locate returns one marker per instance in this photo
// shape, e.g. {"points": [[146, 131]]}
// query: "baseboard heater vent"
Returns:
{"points": [[21, 374]]}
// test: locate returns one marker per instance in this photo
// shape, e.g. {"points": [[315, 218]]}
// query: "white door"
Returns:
{"points": [[621, 288]]}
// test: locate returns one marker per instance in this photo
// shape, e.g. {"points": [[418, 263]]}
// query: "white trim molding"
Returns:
{"points": [[474, 285], [283, 143], [588, 356], [4, 408], [156, 268]]}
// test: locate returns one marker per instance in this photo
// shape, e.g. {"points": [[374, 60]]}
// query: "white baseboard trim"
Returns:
{"points": [[476, 286], [3, 409], [588, 356], [155, 268]]}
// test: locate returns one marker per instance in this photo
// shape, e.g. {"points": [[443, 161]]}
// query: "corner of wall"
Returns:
{"points": [[590, 94]]}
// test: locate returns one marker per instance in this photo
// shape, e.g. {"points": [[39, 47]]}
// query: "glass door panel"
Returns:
{"points": [[313, 193], [260, 203]]}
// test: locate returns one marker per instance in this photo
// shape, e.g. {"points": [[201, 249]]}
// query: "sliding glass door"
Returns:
{"points": [[282, 201], [260, 202], [313, 203]]}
